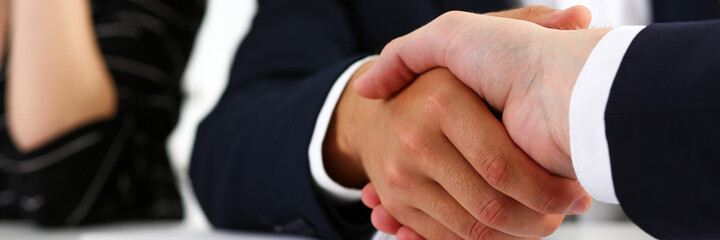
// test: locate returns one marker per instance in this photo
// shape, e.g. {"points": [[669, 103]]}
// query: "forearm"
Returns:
{"points": [[58, 77], [243, 135], [3, 28], [341, 159]]}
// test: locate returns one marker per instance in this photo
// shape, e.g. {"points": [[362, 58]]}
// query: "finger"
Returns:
{"points": [[576, 17], [483, 141], [440, 207], [405, 233], [491, 207], [383, 222], [573, 18], [369, 196], [418, 225]]}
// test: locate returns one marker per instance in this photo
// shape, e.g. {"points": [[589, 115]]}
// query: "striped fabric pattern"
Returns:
{"points": [[116, 169]]}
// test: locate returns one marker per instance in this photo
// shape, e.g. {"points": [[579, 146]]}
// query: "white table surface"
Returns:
{"points": [[173, 230]]}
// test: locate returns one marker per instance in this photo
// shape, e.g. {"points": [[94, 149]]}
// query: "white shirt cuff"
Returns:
{"points": [[588, 143], [326, 185]]}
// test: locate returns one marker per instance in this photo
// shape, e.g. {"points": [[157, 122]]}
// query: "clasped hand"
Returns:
{"points": [[440, 165]]}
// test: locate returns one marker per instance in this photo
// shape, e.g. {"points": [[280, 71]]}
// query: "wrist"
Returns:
{"points": [[569, 50], [341, 156]]}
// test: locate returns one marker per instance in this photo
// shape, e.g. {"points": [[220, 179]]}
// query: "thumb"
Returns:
{"points": [[391, 72], [420, 51], [405, 57], [577, 17]]}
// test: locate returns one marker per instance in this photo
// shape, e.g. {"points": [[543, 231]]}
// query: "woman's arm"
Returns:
{"points": [[58, 79]]}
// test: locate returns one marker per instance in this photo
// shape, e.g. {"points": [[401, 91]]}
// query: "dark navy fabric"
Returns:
{"points": [[663, 130], [250, 167], [681, 10]]}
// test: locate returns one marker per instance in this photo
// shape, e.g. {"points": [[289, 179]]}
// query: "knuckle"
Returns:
{"points": [[476, 230], [450, 15], [480, 231], [494, 213], [437, 103], [412, 143], [396, 179], [450, 18], [393, 44], [494, 167], [547, 204], [534, 10]]}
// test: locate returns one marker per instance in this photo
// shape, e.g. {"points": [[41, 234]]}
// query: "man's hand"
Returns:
{"points": [[523, 70], [428, 47], [443, 165]]}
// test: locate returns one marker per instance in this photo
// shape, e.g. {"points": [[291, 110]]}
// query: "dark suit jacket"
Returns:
{"points": [[250, 166], [663, 130]]}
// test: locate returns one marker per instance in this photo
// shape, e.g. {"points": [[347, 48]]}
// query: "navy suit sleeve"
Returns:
{"points": [[663, 130], [250, 166]]}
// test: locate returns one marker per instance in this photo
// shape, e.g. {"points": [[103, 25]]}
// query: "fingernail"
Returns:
{"points": [[579, 207]]}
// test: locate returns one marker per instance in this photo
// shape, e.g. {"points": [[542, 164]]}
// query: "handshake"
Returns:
{"points": [[461, 127]]}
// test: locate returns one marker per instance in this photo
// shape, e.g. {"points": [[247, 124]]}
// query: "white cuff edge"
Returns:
{"points": [[317, 168], [588, 142]]}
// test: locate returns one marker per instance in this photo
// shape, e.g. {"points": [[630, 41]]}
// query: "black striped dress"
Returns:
{"points": [[116, 169]]}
